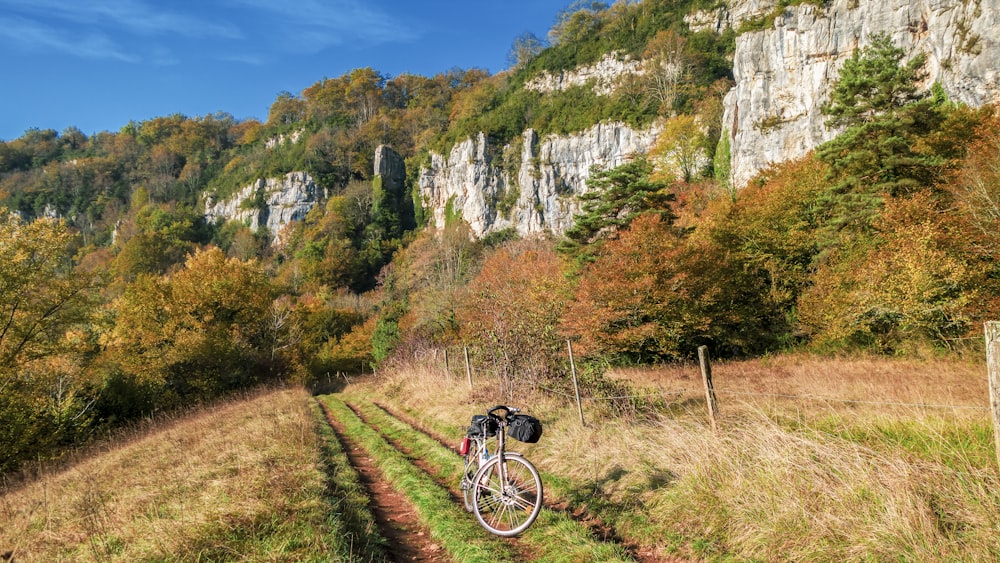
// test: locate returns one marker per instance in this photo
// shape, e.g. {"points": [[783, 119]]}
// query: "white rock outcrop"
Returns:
{"points": [[784, 74], [470, 184], [284, 200], [604, 75]]}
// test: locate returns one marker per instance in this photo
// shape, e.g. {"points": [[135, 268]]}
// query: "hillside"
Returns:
{"points": [[638, 184]]}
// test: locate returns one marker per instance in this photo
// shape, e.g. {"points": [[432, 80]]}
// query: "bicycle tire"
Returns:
{"points": [[508, 509], [472, 458]]}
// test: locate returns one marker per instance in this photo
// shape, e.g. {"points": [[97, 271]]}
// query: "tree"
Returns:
{"points": [[975, 183], [877, 100], [632, 304], [524, 48], [511, 313], [196, 333], [578, 19], [286, 109], [40, 294], [915, 280], [872, 82], [44, 306], [614, 197], [680, 147], [668, 68], [884, 149]]}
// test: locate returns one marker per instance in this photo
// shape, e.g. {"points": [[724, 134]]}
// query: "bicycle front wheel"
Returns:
{"points": [[506, 507]]}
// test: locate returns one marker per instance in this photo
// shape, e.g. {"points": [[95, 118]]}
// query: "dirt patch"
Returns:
{"points": [[408, 539], [601, 530], [523, 550]]}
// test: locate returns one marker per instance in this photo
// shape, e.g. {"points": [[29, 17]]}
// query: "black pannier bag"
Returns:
{"points": [[482, 426], [524, 428]]}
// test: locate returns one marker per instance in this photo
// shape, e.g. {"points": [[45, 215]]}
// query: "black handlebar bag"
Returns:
{"points": [[524, 428]]}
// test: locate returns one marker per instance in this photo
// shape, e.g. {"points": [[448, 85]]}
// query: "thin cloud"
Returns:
{"points": [[313, 25], [33, 36], [247, 59], [130, 16]]}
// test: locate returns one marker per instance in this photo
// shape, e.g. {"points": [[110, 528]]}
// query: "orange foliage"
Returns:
{"points": [[512, 311], [915, 280], [641, 298]]}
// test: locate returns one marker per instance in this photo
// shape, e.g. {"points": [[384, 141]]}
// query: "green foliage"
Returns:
{"points": [[197, 333], [766, 21], [614, 197], [723, 158], [385, 339], [873, 82], [897, 141]]}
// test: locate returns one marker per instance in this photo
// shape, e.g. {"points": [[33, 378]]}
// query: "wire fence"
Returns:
{"points": [[708, 394], [676, 392], [816, 398]]}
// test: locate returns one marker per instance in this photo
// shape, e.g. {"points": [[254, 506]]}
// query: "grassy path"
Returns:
{"points": [[447, 521], [589, 510], [556, 536]]}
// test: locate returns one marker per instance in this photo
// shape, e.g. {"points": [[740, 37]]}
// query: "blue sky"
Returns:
{"points": [[97, 64]]}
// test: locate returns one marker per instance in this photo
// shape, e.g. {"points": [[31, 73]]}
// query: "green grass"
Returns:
{"points": [[355, 529], [447, 520], [555, 536]]}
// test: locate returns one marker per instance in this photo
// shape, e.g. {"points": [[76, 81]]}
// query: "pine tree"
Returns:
{"points": [[615, 197], [877, 99]]}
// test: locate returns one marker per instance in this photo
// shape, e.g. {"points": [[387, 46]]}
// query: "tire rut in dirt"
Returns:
{"points": [[396, 518], [601, 530], [523, 551]]}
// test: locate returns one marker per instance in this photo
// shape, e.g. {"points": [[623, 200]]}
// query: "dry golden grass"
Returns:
{"points": [[240, 481], [864, 380], [887, 477]]}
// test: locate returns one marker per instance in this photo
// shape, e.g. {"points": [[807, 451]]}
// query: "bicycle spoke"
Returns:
{"points": [[506, 495]]}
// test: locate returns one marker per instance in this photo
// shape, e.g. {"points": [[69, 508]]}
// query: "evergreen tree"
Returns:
{"points": [[613, 199], [879, 153]]}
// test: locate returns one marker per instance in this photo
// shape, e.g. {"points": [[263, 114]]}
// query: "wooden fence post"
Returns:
{"points": [[468, 368], [706, 375], [447, 367], [992, 331], [576, 385]]}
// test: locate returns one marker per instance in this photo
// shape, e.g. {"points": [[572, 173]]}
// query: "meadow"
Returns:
{"points": [[814, 459]]}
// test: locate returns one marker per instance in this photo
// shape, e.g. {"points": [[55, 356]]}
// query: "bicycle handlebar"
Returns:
{"points": [[507, 411]]}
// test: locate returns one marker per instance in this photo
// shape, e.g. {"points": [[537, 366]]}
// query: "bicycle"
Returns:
{"points": [[503, 489]]}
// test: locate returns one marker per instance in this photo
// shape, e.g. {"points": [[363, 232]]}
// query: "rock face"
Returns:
{"points": [[280, 201], [603, 75], [783, 74], [539, 196], [392, 168]]}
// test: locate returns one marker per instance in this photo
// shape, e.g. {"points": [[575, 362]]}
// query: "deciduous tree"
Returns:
{"points": [[511, 313]]}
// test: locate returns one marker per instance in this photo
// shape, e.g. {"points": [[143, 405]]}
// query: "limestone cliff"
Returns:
{"points": [[536, 194], [271, 203], [784, 73]]}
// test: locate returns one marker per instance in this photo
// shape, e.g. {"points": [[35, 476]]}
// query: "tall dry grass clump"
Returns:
{"points": [[240, 481], [815, 460]]}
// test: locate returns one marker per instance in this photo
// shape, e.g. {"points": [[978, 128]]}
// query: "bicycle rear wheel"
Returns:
{"points": [[472, 458], [507, 508]]}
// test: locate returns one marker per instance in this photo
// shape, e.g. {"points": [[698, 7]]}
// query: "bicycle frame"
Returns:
{"points": [[505, 499]]}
